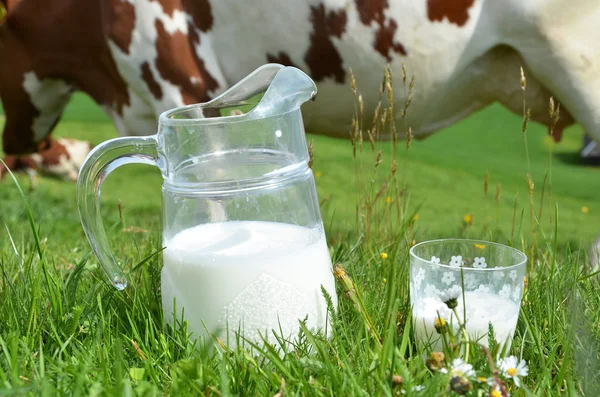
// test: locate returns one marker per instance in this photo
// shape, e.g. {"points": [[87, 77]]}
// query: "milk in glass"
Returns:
{"points": [[252, 276], [482, 308]]}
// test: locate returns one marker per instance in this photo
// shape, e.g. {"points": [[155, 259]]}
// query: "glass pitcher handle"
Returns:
{"points": [[100, 162]]}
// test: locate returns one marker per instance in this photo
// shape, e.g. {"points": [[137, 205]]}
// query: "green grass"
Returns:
{"points": [[445, 174], [65, 331]]}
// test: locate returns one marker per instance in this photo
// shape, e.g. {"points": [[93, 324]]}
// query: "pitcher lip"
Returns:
{"points": [[284, 89], [522, 261]]}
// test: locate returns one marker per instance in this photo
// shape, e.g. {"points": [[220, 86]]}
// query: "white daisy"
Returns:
{"points": [[505, 291], [460, 368], [511, 367], [513, 275], [479, 263], [456, 261], [451, 293], [435, 259], [448, 278]]}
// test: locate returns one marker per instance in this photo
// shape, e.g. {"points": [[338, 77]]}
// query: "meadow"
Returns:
{"points": [[65, 331]]}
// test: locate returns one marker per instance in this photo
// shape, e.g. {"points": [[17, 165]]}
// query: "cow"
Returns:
{"points": [[138, 58]]}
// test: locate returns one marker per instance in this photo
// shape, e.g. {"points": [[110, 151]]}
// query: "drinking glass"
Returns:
{"points": [[447, 275]]}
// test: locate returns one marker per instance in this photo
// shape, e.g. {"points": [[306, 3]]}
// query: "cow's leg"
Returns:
{"points": [[32, 111], [562, 51], [59, 158], [18, 138]]}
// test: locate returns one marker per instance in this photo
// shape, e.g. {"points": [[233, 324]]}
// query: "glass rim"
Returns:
{"points": [[523, 257]]}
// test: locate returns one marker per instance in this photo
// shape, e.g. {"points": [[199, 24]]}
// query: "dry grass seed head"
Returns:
{"points": [[376, 113], [530, 184], [360, 106], [409, 136], [486, 181], [404, 74], [390, 92], [378, 159], [526, 120], [383, 83], [352, 82]]}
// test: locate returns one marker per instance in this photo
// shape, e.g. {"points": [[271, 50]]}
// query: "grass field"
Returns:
{"points": [[63, 330], [445, 174]]}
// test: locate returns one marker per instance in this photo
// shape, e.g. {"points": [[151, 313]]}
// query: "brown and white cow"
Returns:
{"points": [[138, 58]]}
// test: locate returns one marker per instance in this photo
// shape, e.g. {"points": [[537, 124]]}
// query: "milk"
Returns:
{"points": [[248, 275], [482, 308]]}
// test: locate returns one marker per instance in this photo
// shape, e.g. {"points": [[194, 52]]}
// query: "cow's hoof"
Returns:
{"points": [[590, 151], [62, 158]]}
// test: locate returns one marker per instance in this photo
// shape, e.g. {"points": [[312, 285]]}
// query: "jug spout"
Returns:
{"points": [[270, 90], [289, 89]]}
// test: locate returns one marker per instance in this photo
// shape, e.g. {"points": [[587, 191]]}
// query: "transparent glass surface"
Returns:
{"points": [[488, 276], [244, 242]]}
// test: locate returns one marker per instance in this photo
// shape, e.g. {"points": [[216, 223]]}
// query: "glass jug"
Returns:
{"points": [[244, 242]]}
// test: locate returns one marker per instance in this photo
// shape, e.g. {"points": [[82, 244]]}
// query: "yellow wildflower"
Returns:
{"points": [[585, 209], [468, 219], [416, 217], [388, 200], [383, 255], [440, 325], [480, 246], [318, 174]]}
